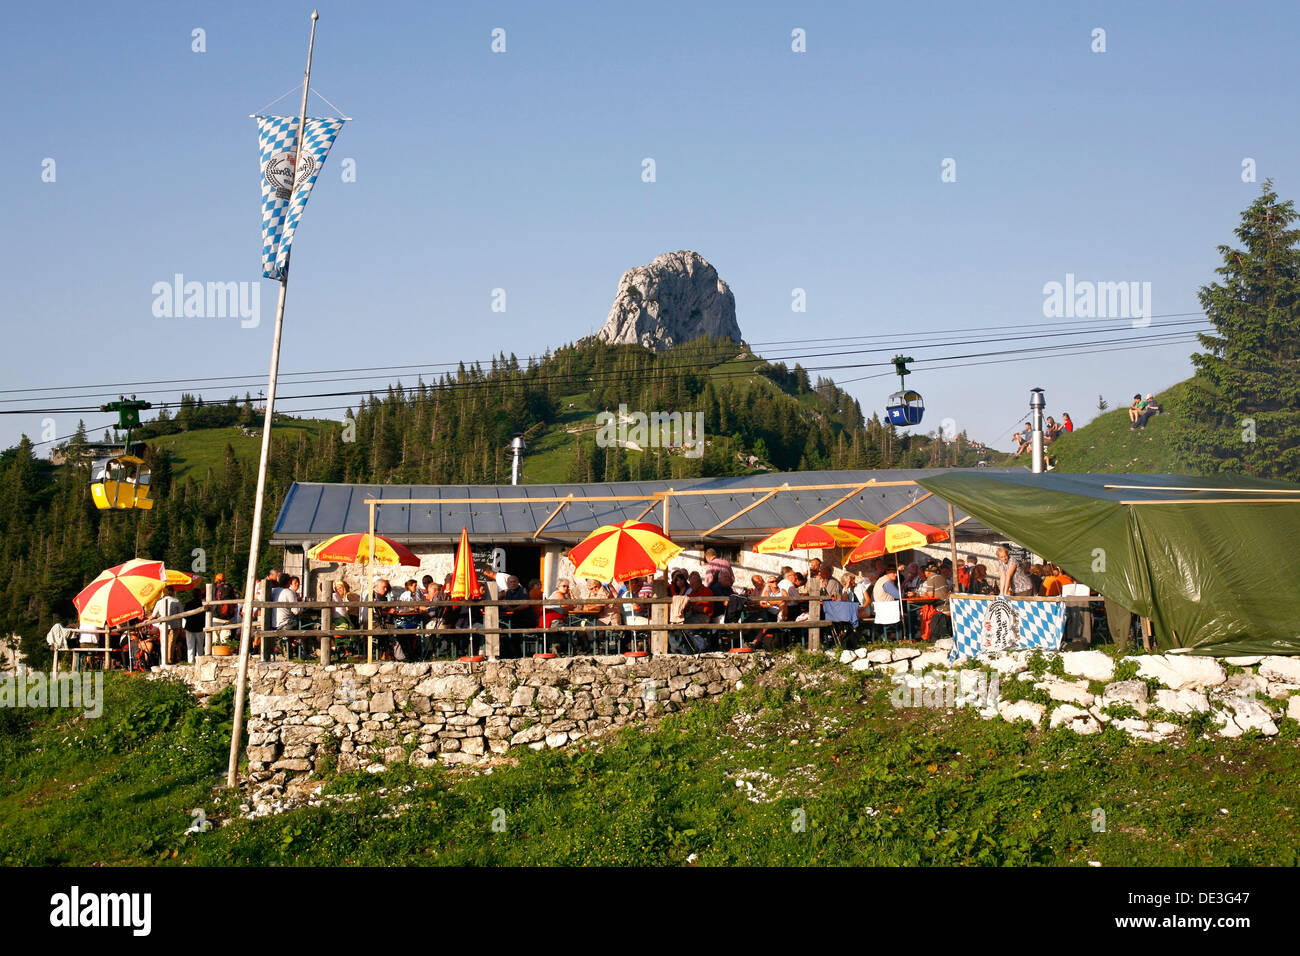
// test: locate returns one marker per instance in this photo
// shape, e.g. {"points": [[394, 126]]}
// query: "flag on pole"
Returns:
{"points": [[284, 193]]}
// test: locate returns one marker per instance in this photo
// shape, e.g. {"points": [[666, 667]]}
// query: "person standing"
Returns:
{"points": [[193, 621], [1013, 579], [169, 632]]}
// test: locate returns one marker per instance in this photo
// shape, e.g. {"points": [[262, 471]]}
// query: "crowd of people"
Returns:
{"points": [[588, 612]]}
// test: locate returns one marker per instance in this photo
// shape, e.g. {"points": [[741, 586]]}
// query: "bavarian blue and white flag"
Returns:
{"points": [[284, 195]]}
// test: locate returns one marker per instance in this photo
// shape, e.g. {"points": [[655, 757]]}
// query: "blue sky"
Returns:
{"points": [[522, 171]]}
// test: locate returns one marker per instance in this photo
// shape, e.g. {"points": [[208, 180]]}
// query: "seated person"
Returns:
{"points": [[1151, 409], [556, 614], [1024, 439], [1051, 430], [1135, 410]]}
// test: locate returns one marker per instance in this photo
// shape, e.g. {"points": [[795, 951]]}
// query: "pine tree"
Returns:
{"points": [[1242, 408]]}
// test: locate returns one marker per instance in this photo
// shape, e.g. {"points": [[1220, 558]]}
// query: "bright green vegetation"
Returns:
{"points": [[117, 789], [1107, 444], [196, 453], [871, 784]]}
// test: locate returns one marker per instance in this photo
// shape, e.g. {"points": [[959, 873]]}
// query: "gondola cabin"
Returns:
{"points": [[119, 483], [905, 408]]}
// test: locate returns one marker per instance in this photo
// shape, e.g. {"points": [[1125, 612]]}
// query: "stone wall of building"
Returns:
{"points": [[302, 717]]}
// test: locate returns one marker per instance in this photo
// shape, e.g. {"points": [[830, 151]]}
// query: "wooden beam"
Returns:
{"points": [[563, 504], [963, 521], [648, 508], [928, 494], [748, 507], [841, 501], [1218, 501], [1249, 491]]}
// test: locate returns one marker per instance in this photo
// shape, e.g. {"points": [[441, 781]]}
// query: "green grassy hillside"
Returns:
{"points": [[829, 773], [194, 452], [1107, 445]]}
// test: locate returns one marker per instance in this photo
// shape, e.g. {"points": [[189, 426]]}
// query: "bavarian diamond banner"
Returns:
{"points": [[983, 625], [284, 193]]}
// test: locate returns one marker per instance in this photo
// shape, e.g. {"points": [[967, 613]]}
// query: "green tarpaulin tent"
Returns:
{"points": [[1213, 562]]}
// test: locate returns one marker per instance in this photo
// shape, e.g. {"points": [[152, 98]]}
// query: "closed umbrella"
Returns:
{"points": [[464, 584]]}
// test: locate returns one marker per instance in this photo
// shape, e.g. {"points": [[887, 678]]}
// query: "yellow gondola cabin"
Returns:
{"points": [[120, 482]]}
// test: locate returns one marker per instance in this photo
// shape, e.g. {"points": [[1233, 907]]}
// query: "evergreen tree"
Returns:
{"points": [[1242, 408]]}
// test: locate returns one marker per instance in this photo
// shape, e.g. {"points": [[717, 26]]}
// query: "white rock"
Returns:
{"points": [[1131, 692], [1243, 661], [1279, 691], [1227, 727], [1008, 665], [1094, 665], [1182, 701], [928, 660], [943, 644], [557, 739], [896, 667], [1072, 718], [1252, 715], [1165, 729], [860, 652], [1132, 724], [1293, 708], [1242, 685], [1183, 672], [1282, 669], [1067, 691], [1013, 710], [905, 653], [881, 655], [1100, 714], [863, 665], [847, 657]]}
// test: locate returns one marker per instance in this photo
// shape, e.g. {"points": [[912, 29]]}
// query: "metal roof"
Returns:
{"points": [[312, 511]]}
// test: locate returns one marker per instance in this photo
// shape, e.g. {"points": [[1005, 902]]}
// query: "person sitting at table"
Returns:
{"points": [[886, 587], [979, 580], [830, 588], [601, 614], [556, 613]]}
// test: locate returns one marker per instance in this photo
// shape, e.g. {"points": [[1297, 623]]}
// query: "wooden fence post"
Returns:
{"points": [[814, 613], [658, 618], [491, 619], [209, 594]]}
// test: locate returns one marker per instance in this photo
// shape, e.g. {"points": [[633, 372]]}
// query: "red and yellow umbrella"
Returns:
{"points": [[797, 538], [620, 552], [892, 538], [464, 579], [182, 580], [848, 531], [354, 548], [121, 593]]}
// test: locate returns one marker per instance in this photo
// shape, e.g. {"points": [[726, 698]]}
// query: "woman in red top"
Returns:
{"points": [[1066, 424]]}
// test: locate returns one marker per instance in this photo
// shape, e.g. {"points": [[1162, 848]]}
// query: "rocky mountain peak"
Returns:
{"points": [[676, 298]]}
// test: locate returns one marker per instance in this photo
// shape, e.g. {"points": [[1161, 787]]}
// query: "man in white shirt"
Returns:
{"points": [[286, 617]]}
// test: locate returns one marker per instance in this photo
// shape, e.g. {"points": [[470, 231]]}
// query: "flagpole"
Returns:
{"points": [[246, 625]]}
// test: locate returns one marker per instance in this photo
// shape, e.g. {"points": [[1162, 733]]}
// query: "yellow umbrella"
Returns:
{"points": [[121, 593], [797, 538], [848, 531], [354, 548], [465, 586], [621, 552]]}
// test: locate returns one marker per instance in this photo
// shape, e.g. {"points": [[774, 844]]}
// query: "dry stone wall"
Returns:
{"points": [[304, 717]]}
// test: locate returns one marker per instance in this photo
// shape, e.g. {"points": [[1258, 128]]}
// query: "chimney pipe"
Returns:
{"points": [[1036, 405], [517, 446]]}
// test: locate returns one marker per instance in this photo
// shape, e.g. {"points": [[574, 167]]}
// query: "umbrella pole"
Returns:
{"points": [[902, 591]]}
